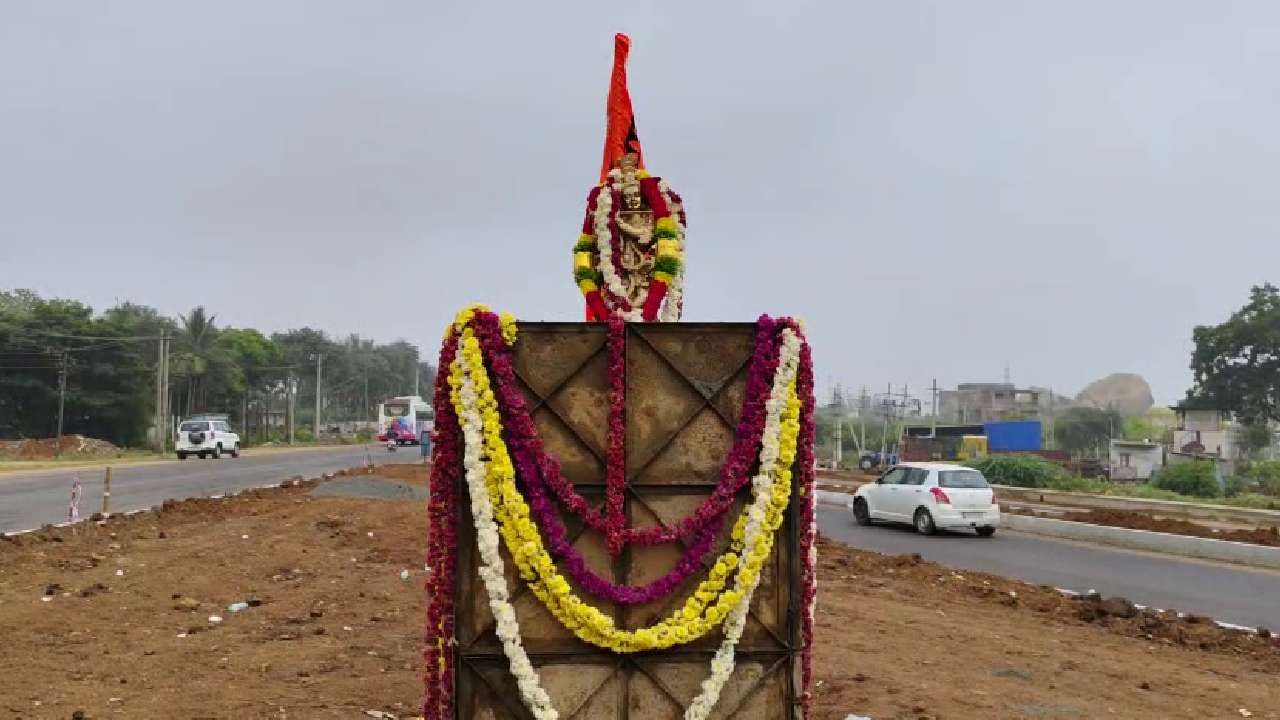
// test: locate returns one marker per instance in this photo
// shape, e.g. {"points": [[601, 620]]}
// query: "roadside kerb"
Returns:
{"points": [[1171, 508], [1165, 543]]}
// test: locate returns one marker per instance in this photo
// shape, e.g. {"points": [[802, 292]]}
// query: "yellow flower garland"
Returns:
{"points": [[710, 603]]}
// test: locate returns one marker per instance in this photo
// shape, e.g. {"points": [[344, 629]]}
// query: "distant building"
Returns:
{"points": [[989, 402], [1135, 459]]}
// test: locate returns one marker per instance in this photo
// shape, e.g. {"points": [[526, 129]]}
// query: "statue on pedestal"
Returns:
{"points": [[629, 259]]}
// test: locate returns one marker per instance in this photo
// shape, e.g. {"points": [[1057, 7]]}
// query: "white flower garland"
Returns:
{"points": [[491, 568], [674, 302], [604, 244], [722, 663]]}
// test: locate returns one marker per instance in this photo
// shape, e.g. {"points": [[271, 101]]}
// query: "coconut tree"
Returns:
{"points": [[198, 353]]}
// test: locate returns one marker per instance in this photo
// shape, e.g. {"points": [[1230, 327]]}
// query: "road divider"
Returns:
{"points": [[1158, 542]]}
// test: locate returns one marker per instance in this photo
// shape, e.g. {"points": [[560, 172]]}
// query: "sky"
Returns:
{"points": [[939, 189]]}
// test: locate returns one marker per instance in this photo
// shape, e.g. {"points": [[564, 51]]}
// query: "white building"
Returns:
{"points": [[1135, 459]]}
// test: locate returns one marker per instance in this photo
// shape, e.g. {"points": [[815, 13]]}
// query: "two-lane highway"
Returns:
{"points": [[1229, 593], [29, 499]]}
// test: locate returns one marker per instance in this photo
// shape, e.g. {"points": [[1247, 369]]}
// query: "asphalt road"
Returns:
{"points": [[31, 499], [1228, 593]]}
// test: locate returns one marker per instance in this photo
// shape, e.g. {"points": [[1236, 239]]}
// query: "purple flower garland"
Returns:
{"points": [[522, 441]]}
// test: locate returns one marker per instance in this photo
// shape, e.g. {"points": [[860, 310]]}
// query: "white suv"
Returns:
{"points": [[931, 496], [207, 438]]}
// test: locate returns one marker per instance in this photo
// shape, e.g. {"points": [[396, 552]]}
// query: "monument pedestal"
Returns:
{"points": [[685, 386]]}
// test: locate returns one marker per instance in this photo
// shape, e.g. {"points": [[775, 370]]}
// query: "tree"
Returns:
{"points": [[1236, 365], [198, 356], [1085, 428]]}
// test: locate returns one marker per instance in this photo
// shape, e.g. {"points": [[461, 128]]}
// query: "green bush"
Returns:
{"points": [[1029, 471], [1265, 474], [1194, 478], [303, 434], [364, 435]]}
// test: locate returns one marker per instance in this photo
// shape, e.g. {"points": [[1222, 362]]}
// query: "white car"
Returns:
{"points": [[930, 496], [206, 438]]}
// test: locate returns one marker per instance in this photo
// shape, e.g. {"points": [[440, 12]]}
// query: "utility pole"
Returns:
{"points": [[862, 421], [166, 400], [62, 400], [417, 374], [293, 394], [319, 364], [159, 418], [934, 432], [837, 453]]}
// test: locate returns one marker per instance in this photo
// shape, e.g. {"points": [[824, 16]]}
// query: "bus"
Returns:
{"points": [[402, 420]]}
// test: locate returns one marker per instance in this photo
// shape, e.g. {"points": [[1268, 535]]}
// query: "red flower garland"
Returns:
{"points": [[808, 490], [616, 458], [442, 544], [734, 474]]}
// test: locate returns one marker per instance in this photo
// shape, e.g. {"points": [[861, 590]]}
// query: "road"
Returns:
{"points": [[1228, 593], [29, 499]]}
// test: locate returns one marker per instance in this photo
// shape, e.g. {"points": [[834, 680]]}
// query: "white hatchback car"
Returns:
{"points": [[206, 438], [930, 496]]}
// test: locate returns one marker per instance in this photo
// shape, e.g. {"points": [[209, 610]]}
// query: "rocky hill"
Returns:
{"points": [[1126, 392]]}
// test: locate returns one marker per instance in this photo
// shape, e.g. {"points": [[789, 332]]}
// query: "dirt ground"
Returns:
{"points": [[113, 621], [72, 446], [1141, 521]]}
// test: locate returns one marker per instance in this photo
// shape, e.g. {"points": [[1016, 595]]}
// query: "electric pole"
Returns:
{"points": [[934, 432], [319, 364], [165, 399], [62, 399], [292, 389], [159, 439], [417, 373]]}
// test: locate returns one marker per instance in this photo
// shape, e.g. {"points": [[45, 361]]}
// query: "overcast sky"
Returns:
{"points": [[936, 188]]}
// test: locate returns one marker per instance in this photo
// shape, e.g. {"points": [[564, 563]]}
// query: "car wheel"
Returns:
{"points": [[924, 522], [986, 531], [182, 456], [235, 451], [861, 514], [216, 452], [200, 455]]}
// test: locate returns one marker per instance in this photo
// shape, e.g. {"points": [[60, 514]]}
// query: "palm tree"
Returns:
{"points": [[198, 350]]}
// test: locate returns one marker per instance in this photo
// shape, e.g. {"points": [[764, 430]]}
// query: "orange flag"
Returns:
{"points": [[620, 129]]}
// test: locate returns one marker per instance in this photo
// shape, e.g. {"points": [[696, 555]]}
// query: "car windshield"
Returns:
{"points": [[396, 410], [194, 426], [961, 479]]}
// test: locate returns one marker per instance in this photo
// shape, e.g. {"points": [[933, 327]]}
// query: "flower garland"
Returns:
{"points": [[673, 308], [809, 526], [615, 465], [753, 532], [597, 255], [487, 540], [538, 569], [759, 522], [524, 446], [442, 517], [481, 429], [734, 473]]}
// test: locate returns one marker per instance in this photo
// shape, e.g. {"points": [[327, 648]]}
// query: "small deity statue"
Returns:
{"points": [[635, 220], [628, 261]]}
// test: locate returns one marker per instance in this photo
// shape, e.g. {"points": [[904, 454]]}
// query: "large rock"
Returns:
{"points": [[1125, 392]]}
